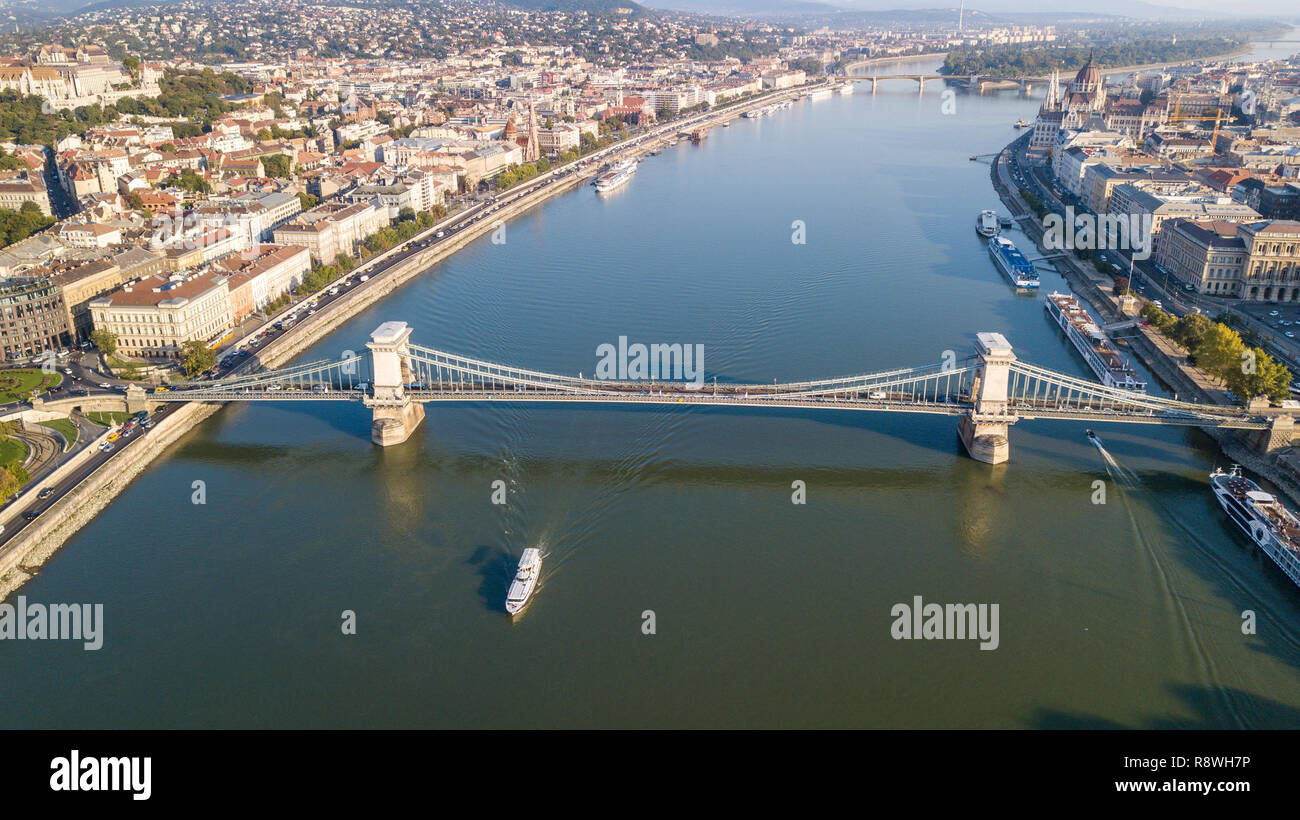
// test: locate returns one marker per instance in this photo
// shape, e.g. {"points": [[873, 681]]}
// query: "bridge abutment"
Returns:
{"points": [[1280, 433], [136, 399], [395, 416]]}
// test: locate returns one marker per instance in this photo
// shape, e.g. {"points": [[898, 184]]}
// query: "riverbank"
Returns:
{"points": [[36, 544], [1160, 355], [849, 68]]}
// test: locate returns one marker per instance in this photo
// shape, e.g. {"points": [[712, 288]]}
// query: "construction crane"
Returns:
{"points": [[1219, 117]]}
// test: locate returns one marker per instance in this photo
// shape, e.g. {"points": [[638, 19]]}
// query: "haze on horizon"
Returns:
{"points": [[1137, 8]]}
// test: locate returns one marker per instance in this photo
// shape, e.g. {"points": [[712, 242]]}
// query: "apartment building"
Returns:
{"points": [[22, 188], [154, 317], [333, 228], [261, 275], [33, 318]]}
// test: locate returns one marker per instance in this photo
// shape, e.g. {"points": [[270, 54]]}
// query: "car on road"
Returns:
{"points": [[105, 386], [1272, 313], [440, 234], [31, 515], [1290, 334]]}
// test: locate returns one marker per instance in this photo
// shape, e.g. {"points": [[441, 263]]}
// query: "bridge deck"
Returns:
{"points": [[953, 406]]}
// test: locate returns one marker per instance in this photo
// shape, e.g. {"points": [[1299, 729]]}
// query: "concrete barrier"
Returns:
{"points": [[35, 544]]}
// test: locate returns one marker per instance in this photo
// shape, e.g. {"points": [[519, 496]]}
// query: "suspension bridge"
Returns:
{"points": [[987, 391]]}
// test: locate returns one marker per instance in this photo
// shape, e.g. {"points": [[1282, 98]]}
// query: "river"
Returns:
{"points": [[766, 613]]}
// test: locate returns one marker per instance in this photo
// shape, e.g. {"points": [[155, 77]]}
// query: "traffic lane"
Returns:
{"points": [[32, 503]]}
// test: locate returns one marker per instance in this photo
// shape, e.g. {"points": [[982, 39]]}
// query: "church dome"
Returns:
{"points": [[1089, 74]]}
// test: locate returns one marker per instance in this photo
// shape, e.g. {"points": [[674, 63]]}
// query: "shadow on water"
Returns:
{"points": [[1203, 701], [496, 568]]}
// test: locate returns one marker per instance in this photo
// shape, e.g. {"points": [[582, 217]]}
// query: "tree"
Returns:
{"points": [[187, 180], [17, 225], [105, 340], [9, 482], [277, 166], [1259, 374], [1190, 331], [196, 357], [1220, 351], [308, 200]]}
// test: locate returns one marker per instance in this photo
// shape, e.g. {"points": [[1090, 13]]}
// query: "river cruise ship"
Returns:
{"points": [[1093, 344], [1260, 515], [1013, 263]]}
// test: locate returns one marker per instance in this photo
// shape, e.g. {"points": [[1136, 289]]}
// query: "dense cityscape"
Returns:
{"points": [[206, 208]]}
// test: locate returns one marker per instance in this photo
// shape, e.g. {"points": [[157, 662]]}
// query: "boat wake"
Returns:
{"points": [[1129, 484]]}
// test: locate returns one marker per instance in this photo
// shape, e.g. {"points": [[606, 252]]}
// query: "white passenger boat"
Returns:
{"points": [[986, 224], [525, 582]]}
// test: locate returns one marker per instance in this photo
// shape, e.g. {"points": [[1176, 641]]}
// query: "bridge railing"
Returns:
{"points": [[1033, 386], [435, 370], [338, 374]]}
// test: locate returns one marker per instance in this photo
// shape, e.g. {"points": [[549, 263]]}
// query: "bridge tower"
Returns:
{"points": [[395, 415], [984, 428]]}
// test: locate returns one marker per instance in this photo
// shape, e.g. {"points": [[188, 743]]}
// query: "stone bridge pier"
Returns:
{"points": [[395, 415], [1279, 435], [984, 429]]}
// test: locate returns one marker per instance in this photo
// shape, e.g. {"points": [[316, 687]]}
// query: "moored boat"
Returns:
{"points": [[1093, 344], [1013, 263], [987, 223], [612, 181]]}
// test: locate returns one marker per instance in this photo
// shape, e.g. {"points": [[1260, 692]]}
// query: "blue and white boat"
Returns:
{"points": [[1013, 263]]}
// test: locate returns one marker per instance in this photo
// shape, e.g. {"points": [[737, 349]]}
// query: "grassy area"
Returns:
{"points": [[18, 385], [13, 452], [108, 419], [66, 428]]}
